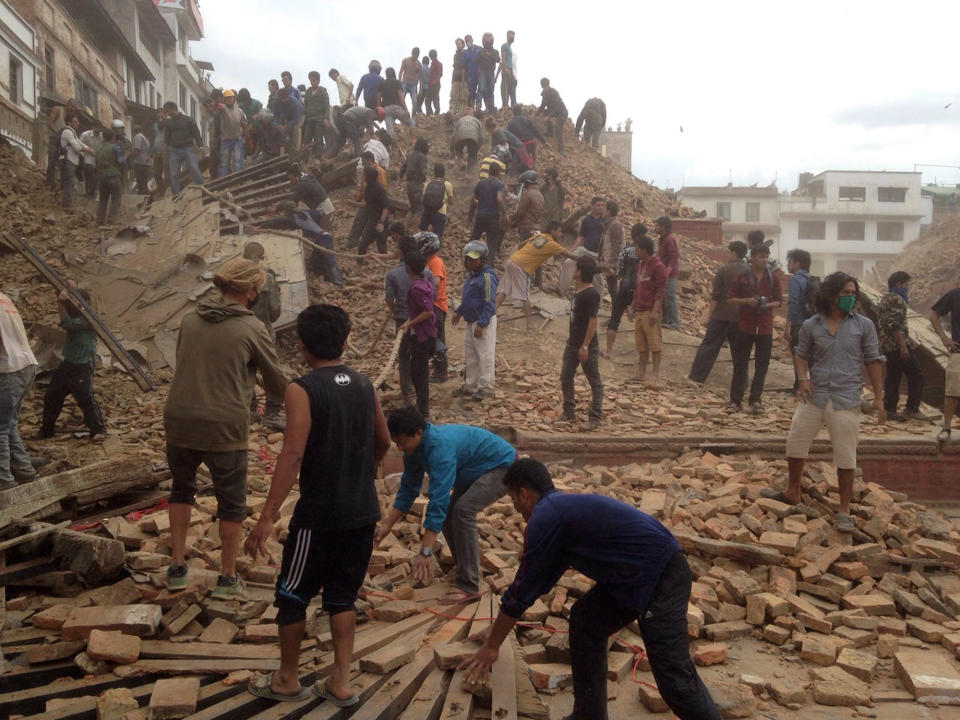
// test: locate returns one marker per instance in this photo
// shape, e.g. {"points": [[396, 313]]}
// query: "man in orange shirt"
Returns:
{"points": [[429, 246]]}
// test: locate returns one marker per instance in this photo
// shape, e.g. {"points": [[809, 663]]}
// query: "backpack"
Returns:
{"points": [[61, 150], [434, 195], [810, 292]]}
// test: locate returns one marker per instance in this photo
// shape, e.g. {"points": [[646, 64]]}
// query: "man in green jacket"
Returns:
{"points": [[221, 347], [268, 311], [110, 160]]}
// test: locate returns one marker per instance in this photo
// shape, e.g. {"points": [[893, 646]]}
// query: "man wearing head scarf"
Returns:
{"points": [[221, 347]]}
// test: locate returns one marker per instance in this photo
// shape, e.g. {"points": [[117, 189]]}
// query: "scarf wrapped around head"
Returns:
{"points": [[238, 276]]}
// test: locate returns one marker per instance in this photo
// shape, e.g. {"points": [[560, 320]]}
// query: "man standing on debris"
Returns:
{"points": [[142, 162], [18, 366], [269, 142], [232, 124], [364, 215], [949, 304], [414, 173], [344, 87], [593, 118], [641, 576], [88, 163], [487, 204], [352, 122], [478, 308], [648, 305], [801, 299], [625, 270], [377, 206], [508, 82], [317, 103], [898, 348], [669, 253], [525, 262], [421, 326], [552, 107], [587, 244], [429, 245], [465, 465], [611, 243], [471, 72], [70, 151], [527, 218], [433, 84], [181, 142], [723, 316], [221, 347], [110, 162], [335, 437], [583, 346], [410, 76], [310, 223], [756, 292], [487, 61], [267, 310], [74, 376], [834, 345], [56, 122], [435, 196], [458, 83], [467, 133], [290, 114]]}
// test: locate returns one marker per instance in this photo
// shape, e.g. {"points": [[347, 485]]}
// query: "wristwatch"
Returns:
{"points": [[426, 552]]}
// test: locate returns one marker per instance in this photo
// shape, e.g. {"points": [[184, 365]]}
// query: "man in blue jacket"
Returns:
{"points": [[479, 309], [466, 466], [640, 574]]}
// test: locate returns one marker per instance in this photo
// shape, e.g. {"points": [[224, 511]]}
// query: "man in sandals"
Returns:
{"points": [[335, 436], [466, 466], [949, 304]]}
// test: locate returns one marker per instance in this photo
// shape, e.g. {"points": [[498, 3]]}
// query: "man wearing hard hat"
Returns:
{"points": [[232, 121]]}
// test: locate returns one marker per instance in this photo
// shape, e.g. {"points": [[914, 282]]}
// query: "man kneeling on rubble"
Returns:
{"points": [[640, 574]]}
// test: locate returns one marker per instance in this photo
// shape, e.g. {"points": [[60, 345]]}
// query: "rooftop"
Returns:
{"points": [[732, 190]]}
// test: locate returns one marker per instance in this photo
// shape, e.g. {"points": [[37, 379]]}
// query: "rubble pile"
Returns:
{"points": [[784, 610]]}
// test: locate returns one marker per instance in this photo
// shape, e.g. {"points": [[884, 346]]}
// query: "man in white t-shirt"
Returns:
{"points": [[17, 369]]}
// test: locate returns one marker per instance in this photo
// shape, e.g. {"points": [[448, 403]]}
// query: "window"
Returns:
{"points": [[812, 230], [850, 230], [890, 231], [850, 267], [16, 80], [86, 93], [183, 98], [856, 194], [193, 108], [49, 74], [723, 211], [752, 212], [892, 194]]}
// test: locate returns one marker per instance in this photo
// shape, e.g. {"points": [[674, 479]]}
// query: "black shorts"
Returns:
{"points": [[335, 562], [228, 470]]}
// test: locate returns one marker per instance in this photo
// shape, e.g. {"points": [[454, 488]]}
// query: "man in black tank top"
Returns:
{"points": [[335, 436]]}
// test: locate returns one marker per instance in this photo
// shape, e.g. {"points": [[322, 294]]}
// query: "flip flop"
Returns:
{"points": [[456, 597], [943, 436], [262, 686], [320, 690], [776, 495]]}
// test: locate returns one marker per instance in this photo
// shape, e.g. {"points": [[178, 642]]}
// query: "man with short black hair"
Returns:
{"points": [[410, 77], [722, 316], [641, 577], [71, 149], [648, 308], [552, 107], [583, 347], [396, 289], [896, 345], [181, 143], [344, 87], [669, 253], [336, 435], [458, 82], [467, 133], [949, 304], [508, 70], [487, 205], [588, 243], [611, 243], [316, 102], [466, 466], [798, 265]]}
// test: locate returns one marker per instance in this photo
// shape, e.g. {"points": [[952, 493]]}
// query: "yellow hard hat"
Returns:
{"points": [[229, 93]]}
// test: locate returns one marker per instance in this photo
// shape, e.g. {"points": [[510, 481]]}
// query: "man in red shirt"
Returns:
{"points": [[756, 292], [670, 256], [648, 304]]}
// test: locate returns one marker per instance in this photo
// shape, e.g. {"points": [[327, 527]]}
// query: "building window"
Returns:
{"points": [[183, 98], [16, 80], [723, 211], [856, 194], [853, 268], [892, 194], [193, 108], [890, 231], [86, 93], [49, 74], [812, 230], [851, 230], [752, 212]]}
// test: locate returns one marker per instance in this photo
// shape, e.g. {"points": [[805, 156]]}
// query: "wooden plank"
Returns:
{"points": [[458, 703], [364, 684], [163, 649], [529, 704], [428, 702], [202, 666], [41, 531], [503, 678], [38, 690], [398, 691]]}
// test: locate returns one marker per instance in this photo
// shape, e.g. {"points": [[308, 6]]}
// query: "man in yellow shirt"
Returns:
{"points": [[524, 263]]}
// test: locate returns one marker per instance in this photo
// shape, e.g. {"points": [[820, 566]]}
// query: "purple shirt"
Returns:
{"points": [[420, 299]]}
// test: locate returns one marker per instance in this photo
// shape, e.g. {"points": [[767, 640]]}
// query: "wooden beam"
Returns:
{"points": [[41, 531], [162, 649], [398, 691], [428, 702], [503, 678], [203, 666]]}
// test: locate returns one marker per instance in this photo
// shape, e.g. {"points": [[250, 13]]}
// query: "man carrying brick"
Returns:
{"points": [[466, 466], [641, 576], [335, 437]]}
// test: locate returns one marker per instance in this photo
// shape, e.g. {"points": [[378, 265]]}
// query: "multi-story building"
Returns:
{"points": [[618, 145], [190, 84], [19, 69], [741, 209], [849, 219]]}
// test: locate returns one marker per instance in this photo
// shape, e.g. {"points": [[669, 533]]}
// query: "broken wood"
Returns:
{"points": [[503, 678]]}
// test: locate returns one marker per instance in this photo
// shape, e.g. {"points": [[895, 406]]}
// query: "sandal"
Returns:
{"points": [[457, 597], [943, 436], [845, 523], [320, 690], [776, 495], [262, 686]]}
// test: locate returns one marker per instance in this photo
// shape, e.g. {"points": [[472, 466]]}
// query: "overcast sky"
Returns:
{"points": [[761, 90]]}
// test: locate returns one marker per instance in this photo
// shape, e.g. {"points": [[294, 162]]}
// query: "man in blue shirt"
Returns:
{"points": [[478, 307], [832, 347], [466, 466], [470, 58], [487, 203], [369, 84], [290, 114], [641, 575], [798, 265]]}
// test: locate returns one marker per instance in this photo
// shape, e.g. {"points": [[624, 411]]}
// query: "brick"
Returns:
{"points": [[787, 691], [754, 682], [858, 638], [850, 570], [178, 624], [125, 592], [174, 698], [926, 631], [54, 651], [859, 664], [818, 650], [836, 687], [710, 653], [261, 633], [951, 641], [139, 560], [727, 630], [96, 559], [887, 646], [740, 585], [396, 610], [885, 696], [928, 676], [786, 543], [733, 700], [558, 648], [798, 604], [538, 612], [861, 622], [619, 665], [945, 551], [909, 602], [550, 676], [388, 658], [449, 656], [52, 618], [114, 703], [872, 604], [91, 666], [765, 606], [815, 624], [140, 620], [113, 646], [219, 631], [776, 634], [651, 699], [535, 653]]}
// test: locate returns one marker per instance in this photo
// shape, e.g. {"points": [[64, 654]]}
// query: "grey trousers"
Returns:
{"points": [[460, 525], [671, 318]]}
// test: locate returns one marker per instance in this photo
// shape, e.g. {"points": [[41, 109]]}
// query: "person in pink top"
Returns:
{"points": [[669, 254]]}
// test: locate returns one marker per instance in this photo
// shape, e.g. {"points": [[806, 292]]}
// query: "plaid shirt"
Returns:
{"points": [[891, 317]]}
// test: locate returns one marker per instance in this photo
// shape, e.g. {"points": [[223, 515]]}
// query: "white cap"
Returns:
{"points": [[117, 123]]}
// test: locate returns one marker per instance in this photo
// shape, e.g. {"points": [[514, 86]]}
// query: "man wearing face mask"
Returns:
{"points": [[221, 347], [832, 347]]}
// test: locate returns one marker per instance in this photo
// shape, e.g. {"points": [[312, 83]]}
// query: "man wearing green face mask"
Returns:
{"points": [[832, 347]]}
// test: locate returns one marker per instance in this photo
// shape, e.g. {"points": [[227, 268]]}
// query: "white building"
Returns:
{"points": [[19, 68], [849, 220], [190, 85], [742, 209]]}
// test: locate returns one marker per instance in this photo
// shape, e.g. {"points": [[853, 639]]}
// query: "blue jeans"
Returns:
{"points": [[13, 388], [231, 155], [485, 90], [411, 90], [177, 157]]}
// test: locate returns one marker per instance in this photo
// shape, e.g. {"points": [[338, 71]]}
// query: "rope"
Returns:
{"points": [[376, 339], [311, 243], [391, 361]]}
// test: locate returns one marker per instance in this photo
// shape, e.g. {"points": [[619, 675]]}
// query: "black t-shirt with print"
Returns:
{"points": [[584, 306]]}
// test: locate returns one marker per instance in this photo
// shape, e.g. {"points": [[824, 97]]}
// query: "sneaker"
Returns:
{"points": [[462, 391], [227, 587], [756, 408], [914, 415], [566, 418], [481, 395], [176, 577], [731, 408], [845, 523]]}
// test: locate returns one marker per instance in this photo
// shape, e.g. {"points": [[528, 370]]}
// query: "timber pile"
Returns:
{"points": [[845, 620]]}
